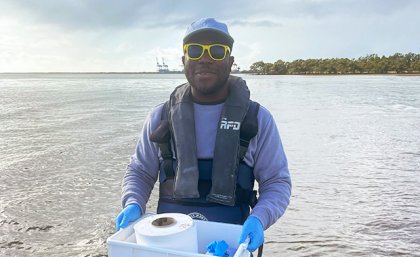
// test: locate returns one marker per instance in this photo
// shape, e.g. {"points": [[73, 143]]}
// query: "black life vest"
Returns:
{"points": [[203, 207]]}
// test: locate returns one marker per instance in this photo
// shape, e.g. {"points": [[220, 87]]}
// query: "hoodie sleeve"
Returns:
{"points": [[267, 156], [143, 169]]}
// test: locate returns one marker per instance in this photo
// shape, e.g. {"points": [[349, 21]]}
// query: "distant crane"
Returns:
{"points": [[159, 67], [162, 68]]}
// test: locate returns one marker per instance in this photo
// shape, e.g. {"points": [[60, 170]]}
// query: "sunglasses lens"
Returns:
{"points": [[195, 51], [217, 52]]}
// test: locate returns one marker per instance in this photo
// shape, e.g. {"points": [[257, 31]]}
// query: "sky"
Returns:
{"points": [[128, 35]]}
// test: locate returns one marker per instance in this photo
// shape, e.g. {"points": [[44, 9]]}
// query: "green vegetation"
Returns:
{"points": [[371, 64]]}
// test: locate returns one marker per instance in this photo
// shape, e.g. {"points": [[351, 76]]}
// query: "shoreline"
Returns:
{"points": [[92, 72], [180, 72], [348, 74]]}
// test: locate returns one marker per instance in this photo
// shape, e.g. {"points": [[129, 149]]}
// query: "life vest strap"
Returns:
{"points": [[249, 128]]}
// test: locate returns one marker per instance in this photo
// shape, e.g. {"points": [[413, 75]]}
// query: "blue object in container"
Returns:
{"points": [[220, 248]]}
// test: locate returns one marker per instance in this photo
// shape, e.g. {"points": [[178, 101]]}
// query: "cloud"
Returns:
{"points": [[127, 35], [94, 14], [255, 23]]}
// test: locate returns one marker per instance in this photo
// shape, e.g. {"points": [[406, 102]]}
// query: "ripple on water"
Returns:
{"points": [[352, 145]]}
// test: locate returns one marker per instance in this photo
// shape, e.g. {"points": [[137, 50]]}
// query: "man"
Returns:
{"points": [[208, 144]]}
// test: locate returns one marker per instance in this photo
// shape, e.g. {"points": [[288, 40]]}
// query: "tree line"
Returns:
{"points": [[370, 64]]}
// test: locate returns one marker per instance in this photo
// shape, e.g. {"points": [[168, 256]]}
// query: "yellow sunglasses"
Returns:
{"points": [[195, 51]]}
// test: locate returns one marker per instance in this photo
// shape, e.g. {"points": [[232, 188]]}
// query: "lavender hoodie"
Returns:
{"points": [[265, 153]]}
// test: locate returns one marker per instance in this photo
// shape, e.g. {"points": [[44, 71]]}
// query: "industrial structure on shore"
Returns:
{"points": [[164, 68]]}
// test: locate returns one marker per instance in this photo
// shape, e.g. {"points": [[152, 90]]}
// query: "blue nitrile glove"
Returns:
{"points": [[253, 229], [218, 248], [130, 213]]}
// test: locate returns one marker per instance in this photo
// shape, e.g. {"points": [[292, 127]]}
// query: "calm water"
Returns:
{"points": [[353, 144]]}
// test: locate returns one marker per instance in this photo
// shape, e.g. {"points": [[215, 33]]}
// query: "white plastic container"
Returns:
{"points": [[123, 243]]}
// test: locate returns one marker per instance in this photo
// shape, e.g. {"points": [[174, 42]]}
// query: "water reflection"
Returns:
{"points": [[352, 144]]}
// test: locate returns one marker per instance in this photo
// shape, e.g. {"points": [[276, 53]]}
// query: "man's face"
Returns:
{"points": [[206, 76]]}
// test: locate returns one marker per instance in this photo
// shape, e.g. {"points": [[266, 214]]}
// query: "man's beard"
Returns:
{"points": [[212, 89]]}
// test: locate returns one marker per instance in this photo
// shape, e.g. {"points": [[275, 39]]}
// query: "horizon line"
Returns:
{"points": [[91, 72]]}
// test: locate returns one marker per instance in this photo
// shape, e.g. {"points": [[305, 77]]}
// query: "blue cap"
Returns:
{"points": [[208, 24]]}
